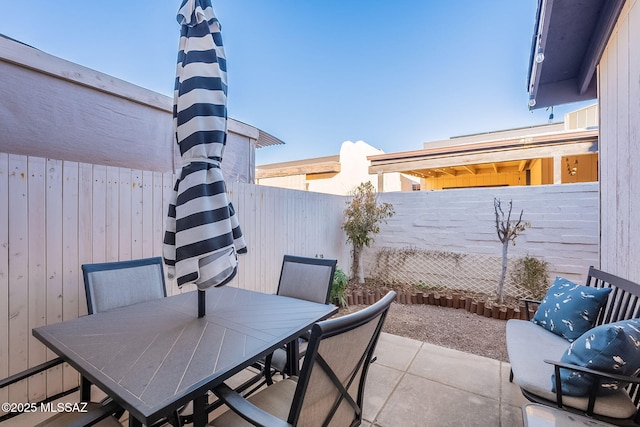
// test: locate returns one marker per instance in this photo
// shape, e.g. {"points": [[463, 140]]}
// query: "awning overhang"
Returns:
{"points": [[568, 41], [419, 163], [318, 165]]}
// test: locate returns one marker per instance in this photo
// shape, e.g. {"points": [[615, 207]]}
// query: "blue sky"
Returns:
{"points": [[316, 73]]}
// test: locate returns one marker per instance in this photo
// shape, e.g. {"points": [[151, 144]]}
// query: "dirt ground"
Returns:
{"points": [[446, 327]]}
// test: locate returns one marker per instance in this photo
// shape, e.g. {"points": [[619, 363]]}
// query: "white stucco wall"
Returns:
{"points": [[291, 182], [354, 169]]}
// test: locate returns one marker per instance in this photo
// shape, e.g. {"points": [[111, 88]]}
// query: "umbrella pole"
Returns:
{"points": [[201, 303]]}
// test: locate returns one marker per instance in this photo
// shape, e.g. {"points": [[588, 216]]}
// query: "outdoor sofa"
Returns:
{"points": [[585, 343]]}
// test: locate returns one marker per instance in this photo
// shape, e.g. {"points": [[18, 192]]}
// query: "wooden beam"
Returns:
{"points": [[495, 167], [471, 169], [523, 165], [380, 182], [419, 173], [557, 169], [315, 168], [444, 171]]}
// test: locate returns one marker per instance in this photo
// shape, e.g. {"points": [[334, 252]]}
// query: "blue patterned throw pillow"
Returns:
{"points": [[613, 348], [568, 309]]}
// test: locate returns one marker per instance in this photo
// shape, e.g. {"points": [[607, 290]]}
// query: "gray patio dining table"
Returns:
{"points": [[154, 357]]}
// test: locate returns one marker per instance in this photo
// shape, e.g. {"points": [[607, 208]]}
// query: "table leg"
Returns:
{"points": [[133, 422], [200, 411]]}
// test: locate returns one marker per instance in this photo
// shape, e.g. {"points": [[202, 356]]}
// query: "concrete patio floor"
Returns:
{"points": [[412, 383], [419, 384]]}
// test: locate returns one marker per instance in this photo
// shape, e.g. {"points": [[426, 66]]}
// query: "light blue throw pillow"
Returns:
{"points": [[613, 348], [568, 309]]}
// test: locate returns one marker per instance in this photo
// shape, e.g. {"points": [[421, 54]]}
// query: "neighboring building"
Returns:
{"points": [[593, 49], [338, 174], [556, 153], [57, 109]]}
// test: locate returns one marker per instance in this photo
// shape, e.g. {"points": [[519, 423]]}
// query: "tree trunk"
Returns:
{"points": [[360, 267], [503, 274], [357, 270]]}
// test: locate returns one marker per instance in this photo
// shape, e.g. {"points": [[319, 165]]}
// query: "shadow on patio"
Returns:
{"points": [[412, 383]]}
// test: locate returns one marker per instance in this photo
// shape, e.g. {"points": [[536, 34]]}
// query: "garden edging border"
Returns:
{"points": [[455, 300]]}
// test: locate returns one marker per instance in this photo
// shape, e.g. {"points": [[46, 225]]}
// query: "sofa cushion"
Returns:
{"points": [[568, 309], [613, 348], [529, 345]]}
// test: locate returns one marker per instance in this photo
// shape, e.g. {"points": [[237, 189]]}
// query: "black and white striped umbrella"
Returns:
{"points": [[203, 236]]}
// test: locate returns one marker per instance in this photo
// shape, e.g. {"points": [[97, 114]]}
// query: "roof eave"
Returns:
{"points": [[581, 85], [493, 146]]}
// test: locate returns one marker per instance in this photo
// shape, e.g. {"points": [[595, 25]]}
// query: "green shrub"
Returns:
{"points": [[531, 274], [339, 287]]}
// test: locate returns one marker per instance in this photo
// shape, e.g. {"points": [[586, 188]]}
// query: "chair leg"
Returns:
{"points": [[85, 390], [293, 359], [200, 410], [267, 370], [174, 420]]}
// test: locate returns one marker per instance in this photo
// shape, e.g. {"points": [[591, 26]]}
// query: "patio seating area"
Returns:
{"points": [[412, 383], [68, 203]]}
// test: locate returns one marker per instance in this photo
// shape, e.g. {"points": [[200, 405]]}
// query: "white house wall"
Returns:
{"points": [[292, 182], [58, 118], [619, 91], [57, 109], [239, 163], [354, 168]]}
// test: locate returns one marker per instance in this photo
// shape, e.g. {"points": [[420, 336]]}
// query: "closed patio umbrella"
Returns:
{"points": [[203, 236]]}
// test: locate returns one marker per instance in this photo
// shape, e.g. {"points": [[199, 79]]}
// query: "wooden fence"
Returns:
{"points": [[57, 215]]}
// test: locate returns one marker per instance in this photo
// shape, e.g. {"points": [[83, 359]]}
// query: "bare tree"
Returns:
{"points": [[363, 216], [507, 230]]}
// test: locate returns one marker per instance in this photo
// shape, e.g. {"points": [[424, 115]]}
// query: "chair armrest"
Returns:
{"points": [[306, 335], [594, 388], [528, 301], [246, 409], [624, 378], [29, 372], [96, 412]]}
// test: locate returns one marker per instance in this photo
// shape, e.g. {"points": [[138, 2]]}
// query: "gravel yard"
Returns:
{"points": [[447, 327]]}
